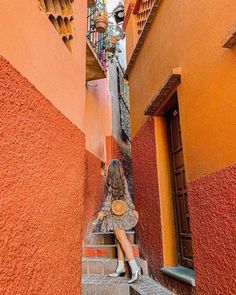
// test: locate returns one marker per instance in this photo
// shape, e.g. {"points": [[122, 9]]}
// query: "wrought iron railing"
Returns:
{"points": [[97, 40], [124, 117]]}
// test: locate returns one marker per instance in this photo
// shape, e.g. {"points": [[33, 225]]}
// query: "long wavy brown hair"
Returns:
{"points": [[115, 180]]}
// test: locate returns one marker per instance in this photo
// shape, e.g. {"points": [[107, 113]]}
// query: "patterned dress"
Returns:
{"points": [[112, 222]]}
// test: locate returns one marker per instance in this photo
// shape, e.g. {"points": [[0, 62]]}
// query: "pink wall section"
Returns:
{"points": [[32, 45], [41, 198], [97, 117]]}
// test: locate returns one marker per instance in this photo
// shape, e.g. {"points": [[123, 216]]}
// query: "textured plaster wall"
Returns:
{"points": [[32, 45], [93, 196], [146, 197], [212, 208], [42, 185]]}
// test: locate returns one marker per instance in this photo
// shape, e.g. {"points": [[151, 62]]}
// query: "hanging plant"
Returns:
{"points": [[111, 44], [100, 17], [91, 3], [101, 23], [114, 34], [104, 23]]}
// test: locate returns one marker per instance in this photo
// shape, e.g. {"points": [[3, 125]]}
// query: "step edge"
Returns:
{"points": [[109, 233], [102, 245]]}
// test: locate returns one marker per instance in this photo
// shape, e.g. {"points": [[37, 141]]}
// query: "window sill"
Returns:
{"points": [[180, 273]]}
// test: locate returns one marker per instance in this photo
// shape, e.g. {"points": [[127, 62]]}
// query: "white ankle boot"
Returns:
{"points": [[120, 270], [116, 274], [136, 276]]}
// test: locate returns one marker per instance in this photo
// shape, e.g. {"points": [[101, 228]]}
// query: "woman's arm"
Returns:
{"points": [[106, 207]]}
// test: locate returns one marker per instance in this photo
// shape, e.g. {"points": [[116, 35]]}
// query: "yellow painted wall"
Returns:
{"points": [[32, 45], [188, 34], [165, 194]]}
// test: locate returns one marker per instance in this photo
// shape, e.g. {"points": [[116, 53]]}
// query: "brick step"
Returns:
{"points": [[103, 266], [106, 251], [103, 285], [98, 238]]}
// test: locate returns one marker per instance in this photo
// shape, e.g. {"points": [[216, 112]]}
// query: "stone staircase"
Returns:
{"points": [[99, 259]]}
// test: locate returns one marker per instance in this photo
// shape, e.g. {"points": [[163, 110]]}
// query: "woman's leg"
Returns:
{"points": [[120, 268], [125, 243], [127, 247], [121, 258], [120, 252]]}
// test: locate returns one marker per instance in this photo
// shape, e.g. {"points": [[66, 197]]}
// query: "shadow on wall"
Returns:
{"points": [[93, 193]]}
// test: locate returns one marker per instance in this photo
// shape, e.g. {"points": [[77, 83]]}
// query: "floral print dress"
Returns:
{"points": [[112, 222]]}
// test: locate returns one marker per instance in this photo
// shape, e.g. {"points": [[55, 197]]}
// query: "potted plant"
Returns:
{"points": [[111, 47], [100, 17], [101, 23], [91, 3]]}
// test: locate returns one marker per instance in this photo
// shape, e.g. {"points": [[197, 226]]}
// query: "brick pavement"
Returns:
{"points": [[103, 285]]}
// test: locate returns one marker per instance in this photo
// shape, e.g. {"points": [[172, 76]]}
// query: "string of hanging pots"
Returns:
{"points": [[112, 32]]}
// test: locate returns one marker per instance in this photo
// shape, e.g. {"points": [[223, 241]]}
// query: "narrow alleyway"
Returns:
{"points": [[149, 84], [99, 259]]}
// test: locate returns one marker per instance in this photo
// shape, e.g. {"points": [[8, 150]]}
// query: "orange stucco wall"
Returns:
{"points": [[97, 117], [32, 45], [42, 192], [189, 35]]}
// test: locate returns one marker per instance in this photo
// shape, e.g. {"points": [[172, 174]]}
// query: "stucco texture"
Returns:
{"points": [[42, 185], [93, 196], [146, 198], [212, 208]]}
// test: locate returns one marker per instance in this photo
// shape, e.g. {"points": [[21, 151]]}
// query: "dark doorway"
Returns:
{"points": [[180, 195]]}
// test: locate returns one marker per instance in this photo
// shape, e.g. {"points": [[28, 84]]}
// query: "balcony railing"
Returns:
{"points": [[97, 40]]}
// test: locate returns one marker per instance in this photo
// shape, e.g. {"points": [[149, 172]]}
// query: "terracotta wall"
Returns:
{"points": [[207, 93], [42, 186], [146, 192], [214, 231], [93, 196], [149, 228], [32, 45]]}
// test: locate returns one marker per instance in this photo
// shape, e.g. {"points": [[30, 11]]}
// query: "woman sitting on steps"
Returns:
{"points": [[118, 214]]}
